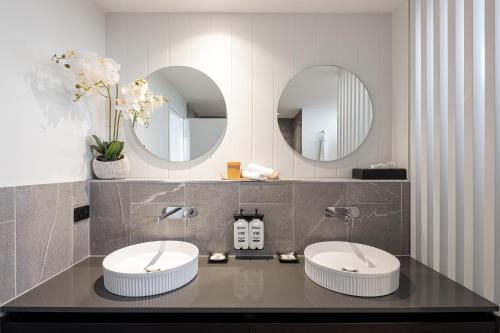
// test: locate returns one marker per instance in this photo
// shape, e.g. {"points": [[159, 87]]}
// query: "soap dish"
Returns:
{"points": [[288, 257], [218, 257]]}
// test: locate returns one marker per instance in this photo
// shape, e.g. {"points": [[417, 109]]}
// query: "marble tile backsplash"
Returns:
{"points": [[38, 238], [122, 213]]}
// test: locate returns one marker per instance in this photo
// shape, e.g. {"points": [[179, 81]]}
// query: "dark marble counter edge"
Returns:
{"points": [[422, 290], [254, 310], [277, 181]]}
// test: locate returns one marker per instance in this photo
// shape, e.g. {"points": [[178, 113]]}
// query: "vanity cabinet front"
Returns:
{"points": [[124, 327], [381, 327]]}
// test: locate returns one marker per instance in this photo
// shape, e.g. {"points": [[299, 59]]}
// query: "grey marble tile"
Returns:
{"points": [[380, 192], [80, 193], [44, 232], [212, 228], [143, 229], [110, 200], [7, 261], [379, 225], [81, 229], [148, 201], [157, 192], [405, 217], [109, 217], [151, 201], [81, 240], [310, 224], [108, 235], [7, 205], [258, 192], [278, 225]]}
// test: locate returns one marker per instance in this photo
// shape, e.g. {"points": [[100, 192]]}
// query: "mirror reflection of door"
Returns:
{"points": [[177, 147]]}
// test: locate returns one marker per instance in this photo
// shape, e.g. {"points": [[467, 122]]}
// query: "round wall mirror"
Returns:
{"points": [[325, 113], [191, 123]]}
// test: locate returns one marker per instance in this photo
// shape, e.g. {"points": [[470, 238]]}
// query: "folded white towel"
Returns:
{"points": [[253, 175], [388, 165], [266, 172]]}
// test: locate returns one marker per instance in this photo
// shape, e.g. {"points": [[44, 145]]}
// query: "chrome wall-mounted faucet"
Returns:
{"points": [[177, 213], [346, 213]]}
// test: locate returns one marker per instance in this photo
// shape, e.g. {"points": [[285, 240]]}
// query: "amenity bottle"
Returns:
{"points": [[241, 234], [256, 230]]}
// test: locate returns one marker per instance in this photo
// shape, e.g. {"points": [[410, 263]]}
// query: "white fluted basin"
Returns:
{"points": [[352, 269], [150, 268]]}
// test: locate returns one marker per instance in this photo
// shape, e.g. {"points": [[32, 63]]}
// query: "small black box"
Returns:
{"points": [[379, 173], [81, 213]]}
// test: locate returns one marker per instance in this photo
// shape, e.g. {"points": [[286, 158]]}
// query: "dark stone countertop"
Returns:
{"points": [[248, 286]]}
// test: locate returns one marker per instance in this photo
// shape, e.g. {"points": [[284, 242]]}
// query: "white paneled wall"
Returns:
{"points": [[252, 57], [455, 142]]}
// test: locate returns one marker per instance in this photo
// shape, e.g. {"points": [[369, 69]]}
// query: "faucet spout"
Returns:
{"points": [[346, 213], [177, 213]]}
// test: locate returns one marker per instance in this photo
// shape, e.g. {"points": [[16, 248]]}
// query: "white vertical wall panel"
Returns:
{"points": [[305, 56], [211, 52], [478, 141], [449, 93], [416, 140], [468, 178], [488, 235], [424, 146], [385, 86], [179, 55], [284, 71], [434, 137], [329, 41], [442, 132], [158, 53], [457, 189], [262, 88], [252, 57], [414, 109], [497, 150], [459, 118], [369, 74], [400, 92], [136, 56], [342, 32]]}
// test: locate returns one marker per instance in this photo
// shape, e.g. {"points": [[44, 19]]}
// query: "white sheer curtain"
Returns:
{"points": [[354, 113]]}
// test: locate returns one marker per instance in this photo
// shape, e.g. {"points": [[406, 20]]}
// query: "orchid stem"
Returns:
{"points": [[109, 111]]}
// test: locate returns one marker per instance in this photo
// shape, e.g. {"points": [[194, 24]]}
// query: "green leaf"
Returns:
{"points": [[99, 144], [114, 150], [97, 149]]}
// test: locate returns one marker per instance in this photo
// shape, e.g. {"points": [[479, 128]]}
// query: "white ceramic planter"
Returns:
{"points": [[111, 170]]}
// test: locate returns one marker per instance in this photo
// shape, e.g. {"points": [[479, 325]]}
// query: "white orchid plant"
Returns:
{"points": [[95, 75]]}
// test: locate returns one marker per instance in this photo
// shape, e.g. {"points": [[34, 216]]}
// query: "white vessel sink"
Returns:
{"points": [[150, 268], [352, 269]]}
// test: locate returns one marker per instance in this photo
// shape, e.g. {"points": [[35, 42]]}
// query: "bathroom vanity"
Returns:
{"points": [[257, 296]]}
